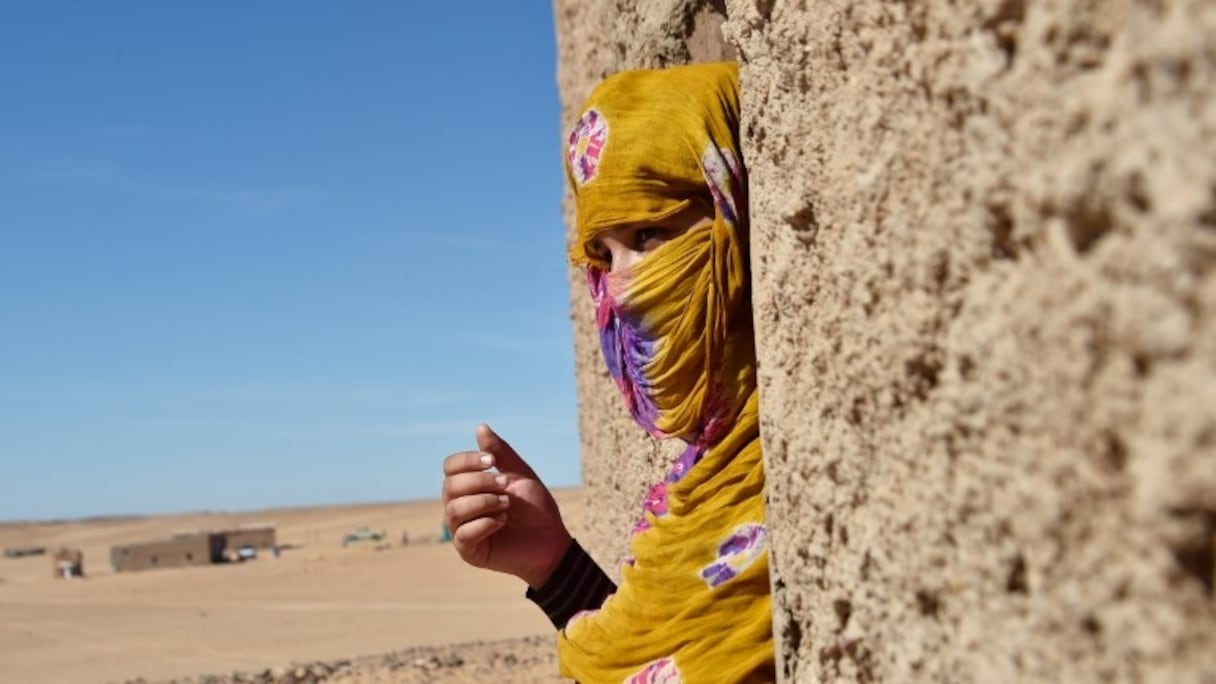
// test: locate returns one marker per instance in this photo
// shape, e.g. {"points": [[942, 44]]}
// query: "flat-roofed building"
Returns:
{"points": [[259, 537], [198, 547], [181, 551]]}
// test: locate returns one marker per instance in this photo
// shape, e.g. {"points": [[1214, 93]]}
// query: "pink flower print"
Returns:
{"points": [[661, 671], [586, 144], [656, 500], [655, 504]]}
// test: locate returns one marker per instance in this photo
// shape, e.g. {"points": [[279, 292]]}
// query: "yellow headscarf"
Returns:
{"points": [[693, 604]]}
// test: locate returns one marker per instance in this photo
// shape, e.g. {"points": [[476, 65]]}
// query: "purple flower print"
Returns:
{"points": [[738, 551]]}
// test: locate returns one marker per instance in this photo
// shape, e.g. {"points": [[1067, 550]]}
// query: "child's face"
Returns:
{"points": [[627, 245]]}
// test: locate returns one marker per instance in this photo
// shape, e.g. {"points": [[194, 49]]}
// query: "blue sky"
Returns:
{"points": [[257, 254]]}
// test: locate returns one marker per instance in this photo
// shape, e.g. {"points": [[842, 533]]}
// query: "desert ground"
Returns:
{"points": [[320, 612]]}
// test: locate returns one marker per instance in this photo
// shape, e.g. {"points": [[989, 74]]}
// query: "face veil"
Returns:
{"points": [[676, 328]]}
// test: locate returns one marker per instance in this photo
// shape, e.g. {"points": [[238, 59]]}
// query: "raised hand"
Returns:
{"points": [[506, 520]]}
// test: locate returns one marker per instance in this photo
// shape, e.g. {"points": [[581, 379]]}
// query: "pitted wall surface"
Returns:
{"points": [[984, 240], [984, 264]]}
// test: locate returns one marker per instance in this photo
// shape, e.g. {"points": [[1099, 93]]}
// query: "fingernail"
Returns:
{"points": [[503, 500], [501, 480], [487, 459]]}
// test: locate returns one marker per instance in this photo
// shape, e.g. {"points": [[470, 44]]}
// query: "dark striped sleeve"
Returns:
{"points": [[577, 584]]}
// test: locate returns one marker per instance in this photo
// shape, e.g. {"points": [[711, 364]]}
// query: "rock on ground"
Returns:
{"points": [[527, 659]]}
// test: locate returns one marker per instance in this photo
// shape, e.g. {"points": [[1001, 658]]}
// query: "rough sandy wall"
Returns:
{"points": [[984, 240], [597, 38]]}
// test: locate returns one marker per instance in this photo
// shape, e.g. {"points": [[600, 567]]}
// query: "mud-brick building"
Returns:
{"points": [[191, 548], [258, 536], [180, 551]]}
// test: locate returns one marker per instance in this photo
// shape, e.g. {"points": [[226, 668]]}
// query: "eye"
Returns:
{"points": [[646, 239]]}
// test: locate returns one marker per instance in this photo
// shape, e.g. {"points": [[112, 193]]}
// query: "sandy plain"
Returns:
{"points": [[397, 613]]}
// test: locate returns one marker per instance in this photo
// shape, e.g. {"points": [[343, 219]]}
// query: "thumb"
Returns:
{"points": [[504, 456]]}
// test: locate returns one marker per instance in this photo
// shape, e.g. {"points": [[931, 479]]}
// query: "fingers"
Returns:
{"points": [[458, 512], [464, 484], [474, 518], [504, 456], [474, 503], [472, 533], [467, 461]]}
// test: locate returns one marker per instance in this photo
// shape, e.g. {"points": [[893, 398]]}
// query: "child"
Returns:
{"points": [[662, 233]]}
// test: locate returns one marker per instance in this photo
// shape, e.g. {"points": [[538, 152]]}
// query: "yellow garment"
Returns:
{"points": [[694, 604]]}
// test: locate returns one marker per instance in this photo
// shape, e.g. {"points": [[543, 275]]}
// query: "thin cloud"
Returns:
{"points": [[477, 242], [68, 172], [394, 397], [241, 202], [519, 344], [520, 426], [427, 428]]}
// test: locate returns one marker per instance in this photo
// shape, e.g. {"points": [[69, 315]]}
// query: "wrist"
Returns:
{"points": [[540, 575]]}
